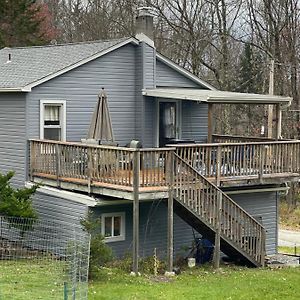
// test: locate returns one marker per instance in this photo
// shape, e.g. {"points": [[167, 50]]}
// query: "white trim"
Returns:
{"points": [[121, 237], [144, 38], [63, 105], [82, 62], [200, 95], [75, 197], [263, 190], [17, 89], [183, 71], [178, 118]]}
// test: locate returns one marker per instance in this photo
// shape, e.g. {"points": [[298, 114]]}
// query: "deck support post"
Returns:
{"points": [[271, 92], [210, 123], [170, 178], [278, 121], [216, 258], [136, 184]]}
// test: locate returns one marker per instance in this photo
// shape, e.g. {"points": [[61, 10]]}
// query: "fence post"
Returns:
{"points": [[216, 258], [218, 165], [170, 181], [58, 166], [136, 184]]}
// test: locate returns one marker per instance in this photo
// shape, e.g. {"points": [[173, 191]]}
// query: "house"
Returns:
{"points": [[226, 188]]}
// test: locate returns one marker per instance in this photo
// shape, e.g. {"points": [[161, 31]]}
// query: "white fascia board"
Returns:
{"points": [[184, 72], [71, 196], [17, 89], [80, 63], [215, 96]]}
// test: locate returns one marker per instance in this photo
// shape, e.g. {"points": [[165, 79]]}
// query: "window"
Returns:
{"points": [[113, 226], [53, 120]]}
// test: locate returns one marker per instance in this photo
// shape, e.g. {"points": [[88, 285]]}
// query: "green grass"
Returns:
{"points": [[31, 281], [227, 283], [21, 280], [289, 250]]}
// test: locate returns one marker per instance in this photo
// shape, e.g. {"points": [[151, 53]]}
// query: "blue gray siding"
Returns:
{"points": [[153, 230], [59, 210], [168, 77], [13, 135], [146, 78], [262, 205], [149, 66], [115, 72], [194, 121]]}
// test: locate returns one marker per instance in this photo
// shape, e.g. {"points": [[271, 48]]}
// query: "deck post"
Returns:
{"points": [[218, 165], [216, 258], [90, 168], [278, 121], [262, 157], [57, 160], [32, 156], [210, 123], [170, 178], [136, 184]]}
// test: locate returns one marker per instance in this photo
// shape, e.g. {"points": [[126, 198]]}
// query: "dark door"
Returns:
{"points": [[167, 122]]}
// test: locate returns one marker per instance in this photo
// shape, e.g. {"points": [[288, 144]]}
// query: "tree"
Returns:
{"points": [[16, 202], [25, 23]]}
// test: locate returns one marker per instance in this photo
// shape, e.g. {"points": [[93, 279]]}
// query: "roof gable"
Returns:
{"points": [[184, 72], [31, 66]]}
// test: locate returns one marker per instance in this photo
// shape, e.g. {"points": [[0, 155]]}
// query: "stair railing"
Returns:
{"points": [[201, 196]]}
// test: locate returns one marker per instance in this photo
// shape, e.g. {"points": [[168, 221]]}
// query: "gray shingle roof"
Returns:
{"points": [[30, 64]]}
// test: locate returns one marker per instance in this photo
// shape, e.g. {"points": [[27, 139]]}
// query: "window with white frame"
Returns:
{"points": [[53, 120], [113, 226]]}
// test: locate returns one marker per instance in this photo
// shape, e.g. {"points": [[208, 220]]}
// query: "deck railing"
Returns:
{"points": [[115, 165], [252, 159], [219, 138], [101, 164], [219, 211]]}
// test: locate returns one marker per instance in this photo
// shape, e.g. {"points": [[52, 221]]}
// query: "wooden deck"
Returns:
{"points": [[109, 171]]}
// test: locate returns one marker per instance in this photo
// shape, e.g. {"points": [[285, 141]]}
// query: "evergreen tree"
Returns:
{"points": [[15, 202], [24, 23], [250, 71]]}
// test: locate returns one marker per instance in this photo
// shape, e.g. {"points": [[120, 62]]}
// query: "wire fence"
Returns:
{"points": [[42, 259]]}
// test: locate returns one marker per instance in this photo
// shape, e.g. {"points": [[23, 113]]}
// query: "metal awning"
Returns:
{"points": [[210, 96]]}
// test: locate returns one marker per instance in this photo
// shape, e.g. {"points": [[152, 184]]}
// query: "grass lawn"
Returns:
{"points": [[227, 283], [289, 250], [32, 280]]}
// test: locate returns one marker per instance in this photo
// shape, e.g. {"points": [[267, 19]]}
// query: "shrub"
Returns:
{"points": [[100, 253]]}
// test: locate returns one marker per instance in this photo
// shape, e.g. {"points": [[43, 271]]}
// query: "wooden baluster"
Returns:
{"points": [[218, 165]]}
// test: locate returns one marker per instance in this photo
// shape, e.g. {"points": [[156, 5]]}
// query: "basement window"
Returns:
{"points": [[113, 226], [53, 120]]}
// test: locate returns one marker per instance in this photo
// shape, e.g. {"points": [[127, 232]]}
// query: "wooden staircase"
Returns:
{"points": [[208, 210]]}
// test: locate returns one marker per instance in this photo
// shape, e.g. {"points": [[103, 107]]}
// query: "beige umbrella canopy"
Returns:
{"points": [[101, 128]]}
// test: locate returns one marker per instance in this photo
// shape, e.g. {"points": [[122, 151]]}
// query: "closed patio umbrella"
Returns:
{"points": [[101, 128]]}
